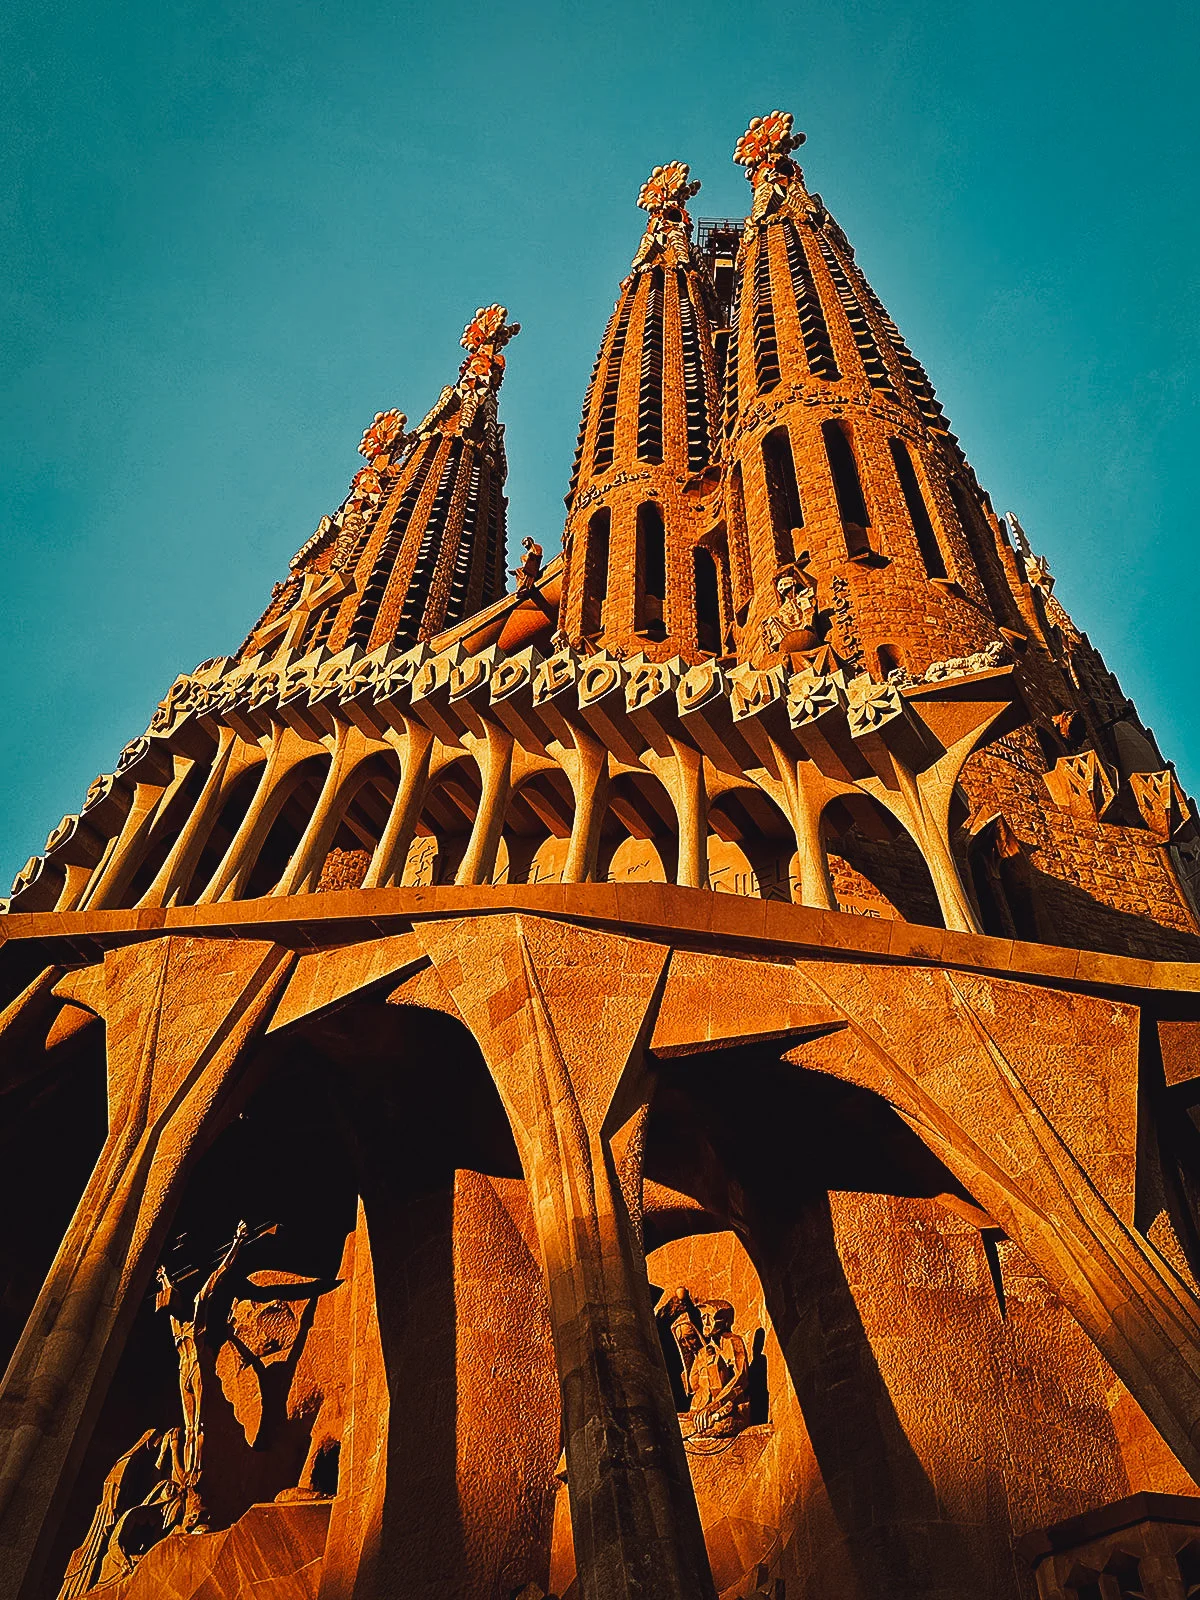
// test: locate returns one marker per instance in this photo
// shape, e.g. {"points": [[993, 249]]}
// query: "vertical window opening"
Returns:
{"points": [[495, 573], [739, 552], [585, 415], [818, 350], [918, 512], [783, 493], [848, 486], [918, 379], [708, 602], [860, 328], [650, 386], [695, 381], [595, 570], [381, 569], [416, 596], [888, 658], [766, 346], [606, 427], [731, 370], [461, 577], [652, 571]]}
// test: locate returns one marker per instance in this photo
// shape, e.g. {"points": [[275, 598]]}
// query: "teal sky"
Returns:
{"points": [[230, 233]]}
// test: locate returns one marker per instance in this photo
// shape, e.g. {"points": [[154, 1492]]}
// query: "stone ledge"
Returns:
{"points": [[772, 928]]}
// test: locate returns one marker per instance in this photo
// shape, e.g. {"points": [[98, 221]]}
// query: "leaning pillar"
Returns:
{"points": [[562, 1016], [180, 1016]]}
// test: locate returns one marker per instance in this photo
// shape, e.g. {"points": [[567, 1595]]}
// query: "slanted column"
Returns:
{"points": [[232, 758], [387, 864], [180, 1016], [287, 751], [587, 768], [562, 1015], [479, 859]]}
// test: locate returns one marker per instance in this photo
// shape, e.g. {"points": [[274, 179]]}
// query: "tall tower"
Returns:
{"points": [[645, 558], [674, 1082], [420, 541]]}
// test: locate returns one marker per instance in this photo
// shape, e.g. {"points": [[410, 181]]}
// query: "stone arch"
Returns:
{"points": [[443, 830], [169, 820], [292, 804], [402, 1235], [537, 829], [345, 827], [750, 845], [234, 805], [639, 838], [53, 1121], [875, 865]]}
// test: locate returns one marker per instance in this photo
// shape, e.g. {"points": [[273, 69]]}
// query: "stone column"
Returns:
{"points": [[180, 1016], [562, 1016], [387, 864]]}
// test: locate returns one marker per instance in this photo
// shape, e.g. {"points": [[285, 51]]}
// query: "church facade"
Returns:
{"points": [[671, 1072]]}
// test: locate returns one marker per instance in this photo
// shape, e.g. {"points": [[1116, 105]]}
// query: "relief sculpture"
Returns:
{"points": [[242, 1341], [715, 1369]]}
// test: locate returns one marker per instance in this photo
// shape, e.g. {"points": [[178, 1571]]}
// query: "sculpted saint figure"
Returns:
{"points": [[188, 1326], [530, 569], [719, 1379], [793, 627]]}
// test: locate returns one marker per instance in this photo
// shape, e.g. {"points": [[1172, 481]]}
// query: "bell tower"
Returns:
{"points": [[646, 567], [837, 452], [419, 542]]}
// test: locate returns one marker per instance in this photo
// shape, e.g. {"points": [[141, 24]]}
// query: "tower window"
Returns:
{"points": [[766, 345], [783, 493], [695, 381], [606, 426], [708, 602], [595, 570], [848, 486], [414, 618], [652, 571], [650, 387], [381, 569], [818, 350], [739, 554], [731, 372], [860, 328], [918, 513], [888, 658]]}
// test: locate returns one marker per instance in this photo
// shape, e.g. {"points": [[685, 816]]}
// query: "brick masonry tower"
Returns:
{"points": [[675, 1080], [643, 555]]}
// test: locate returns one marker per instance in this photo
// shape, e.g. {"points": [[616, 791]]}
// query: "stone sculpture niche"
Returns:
{"points": [[261, 1343], [715, 1369]]}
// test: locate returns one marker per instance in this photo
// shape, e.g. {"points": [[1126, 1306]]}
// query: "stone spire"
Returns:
{"points": [[838, 456], [419, 542], [645, 566]]}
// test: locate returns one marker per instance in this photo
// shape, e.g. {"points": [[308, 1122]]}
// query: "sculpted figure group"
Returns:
{"points": [[716, 1370]]}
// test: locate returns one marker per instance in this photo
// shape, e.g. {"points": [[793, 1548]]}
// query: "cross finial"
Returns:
{"points": [[489, 326], [778, 184], [767, 139], [668, 188]]}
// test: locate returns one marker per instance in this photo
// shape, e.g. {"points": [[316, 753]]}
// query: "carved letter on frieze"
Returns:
{"points": [[646, 683], [469, 674], [598, 678], [553, 676], [699, 685], [509, 677]]}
